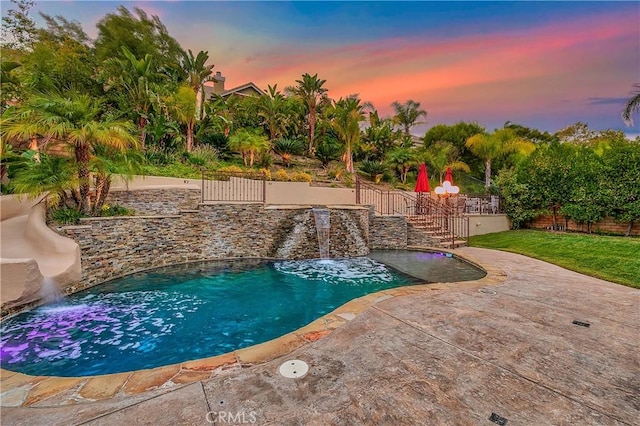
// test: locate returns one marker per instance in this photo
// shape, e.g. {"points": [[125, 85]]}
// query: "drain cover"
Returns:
{"points": [[294, 369]]}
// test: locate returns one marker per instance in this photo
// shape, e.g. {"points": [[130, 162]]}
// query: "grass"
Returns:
{"points": [[615, 259]]}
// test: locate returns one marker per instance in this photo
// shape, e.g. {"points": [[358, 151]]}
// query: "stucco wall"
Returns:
{"points": [[487, 224]]}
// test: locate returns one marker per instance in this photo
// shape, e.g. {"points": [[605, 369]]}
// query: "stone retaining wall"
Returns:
{"points": [[116, 246], [388, 232], [156, 201]]}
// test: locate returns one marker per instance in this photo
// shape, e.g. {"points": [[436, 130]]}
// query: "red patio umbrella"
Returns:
{"points": [[448, 177], [422, 183]]}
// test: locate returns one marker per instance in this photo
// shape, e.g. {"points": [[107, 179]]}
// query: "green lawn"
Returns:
{"points": [[615, 259]]}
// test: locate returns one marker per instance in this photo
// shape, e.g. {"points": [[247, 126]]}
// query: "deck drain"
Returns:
{"points": [[487, 291], [581, 323], [499, 420], [294, 369]]}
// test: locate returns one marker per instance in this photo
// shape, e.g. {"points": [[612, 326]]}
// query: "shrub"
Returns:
{"points": [[231, 169], [286, 148], [266, 173], [337, 172], [329, 149], [265, 159], [374, 169], [67, 216], [158, 156], [300, 177], [281, 175], [208, 153], [115, 210]]}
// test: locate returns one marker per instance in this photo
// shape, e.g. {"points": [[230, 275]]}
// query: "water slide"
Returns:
{"points": [[31, 254]]}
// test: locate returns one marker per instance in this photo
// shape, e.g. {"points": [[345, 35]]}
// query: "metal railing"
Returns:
{"points": [[440, 216], [487, 204], [234, 186]]}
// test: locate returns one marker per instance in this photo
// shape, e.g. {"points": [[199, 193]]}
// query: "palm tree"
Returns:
{"points": [[107, 162], [197, 73], [402, 160], [310, 90], [223, 110], [443, 155], [249, 143], [134, 76], [407, 115], [632, 106], [74, 120], [272, 108], [182, 104], [491, 146], [347, 113]]}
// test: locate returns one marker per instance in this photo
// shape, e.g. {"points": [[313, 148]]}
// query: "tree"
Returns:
{"points": [[140, 34], [197, 73], [18, 28], [443, 155], [402, 159], [272, 109], [620, 177], [73, 120], [407, 115], [457, 134], [183, 106], [632, 106], [134, 78], [489, 147], [346, 117], [584, 202], [107, 162], [60, 59], [248, 142], [54, 176], [223, 111], [310, 90], [378, 138]]}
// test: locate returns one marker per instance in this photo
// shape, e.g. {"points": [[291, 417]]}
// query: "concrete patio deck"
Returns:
{"points": [[504, 347]]}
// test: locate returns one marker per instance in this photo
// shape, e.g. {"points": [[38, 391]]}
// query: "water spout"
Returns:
{"points": [[323, 227], [50, 292]]}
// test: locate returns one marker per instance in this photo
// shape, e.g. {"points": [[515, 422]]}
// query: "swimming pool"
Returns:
{"points": [[179, 313]]}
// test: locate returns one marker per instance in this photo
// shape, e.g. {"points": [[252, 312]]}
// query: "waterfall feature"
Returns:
{"points": [[323, 227]]}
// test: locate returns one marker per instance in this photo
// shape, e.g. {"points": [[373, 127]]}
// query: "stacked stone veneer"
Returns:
{"points": [[388, 232], [161, 201], [418, 237], [116, 246]]}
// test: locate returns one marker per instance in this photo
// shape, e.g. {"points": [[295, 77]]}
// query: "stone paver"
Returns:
{"points": [[455, 353]]}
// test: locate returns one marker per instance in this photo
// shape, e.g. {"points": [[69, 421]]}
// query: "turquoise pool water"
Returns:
{"points": [[184, 312]]}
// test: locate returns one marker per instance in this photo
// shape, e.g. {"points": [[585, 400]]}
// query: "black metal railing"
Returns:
{"points": [[442, 217], [233, 186]]}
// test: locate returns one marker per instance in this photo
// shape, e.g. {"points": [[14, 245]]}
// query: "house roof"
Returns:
{"points": [[239, 89]]}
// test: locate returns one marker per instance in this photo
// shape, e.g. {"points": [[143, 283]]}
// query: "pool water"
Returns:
{"points": [[179, 313]]}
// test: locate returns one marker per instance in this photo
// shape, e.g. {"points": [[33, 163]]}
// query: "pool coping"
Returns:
{"points": [[22, 390]]}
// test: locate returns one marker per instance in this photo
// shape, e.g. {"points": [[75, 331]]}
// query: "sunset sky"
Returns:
{"points": [[541, 64]]}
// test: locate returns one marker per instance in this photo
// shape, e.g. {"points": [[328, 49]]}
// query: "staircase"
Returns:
{"points": [[429, 222], [424, 230]]}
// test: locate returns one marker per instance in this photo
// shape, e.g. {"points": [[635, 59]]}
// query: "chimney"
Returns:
{"points": [[218, 83]]}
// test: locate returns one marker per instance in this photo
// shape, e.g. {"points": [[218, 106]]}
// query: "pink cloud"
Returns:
{"points": [[502, 70]]}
